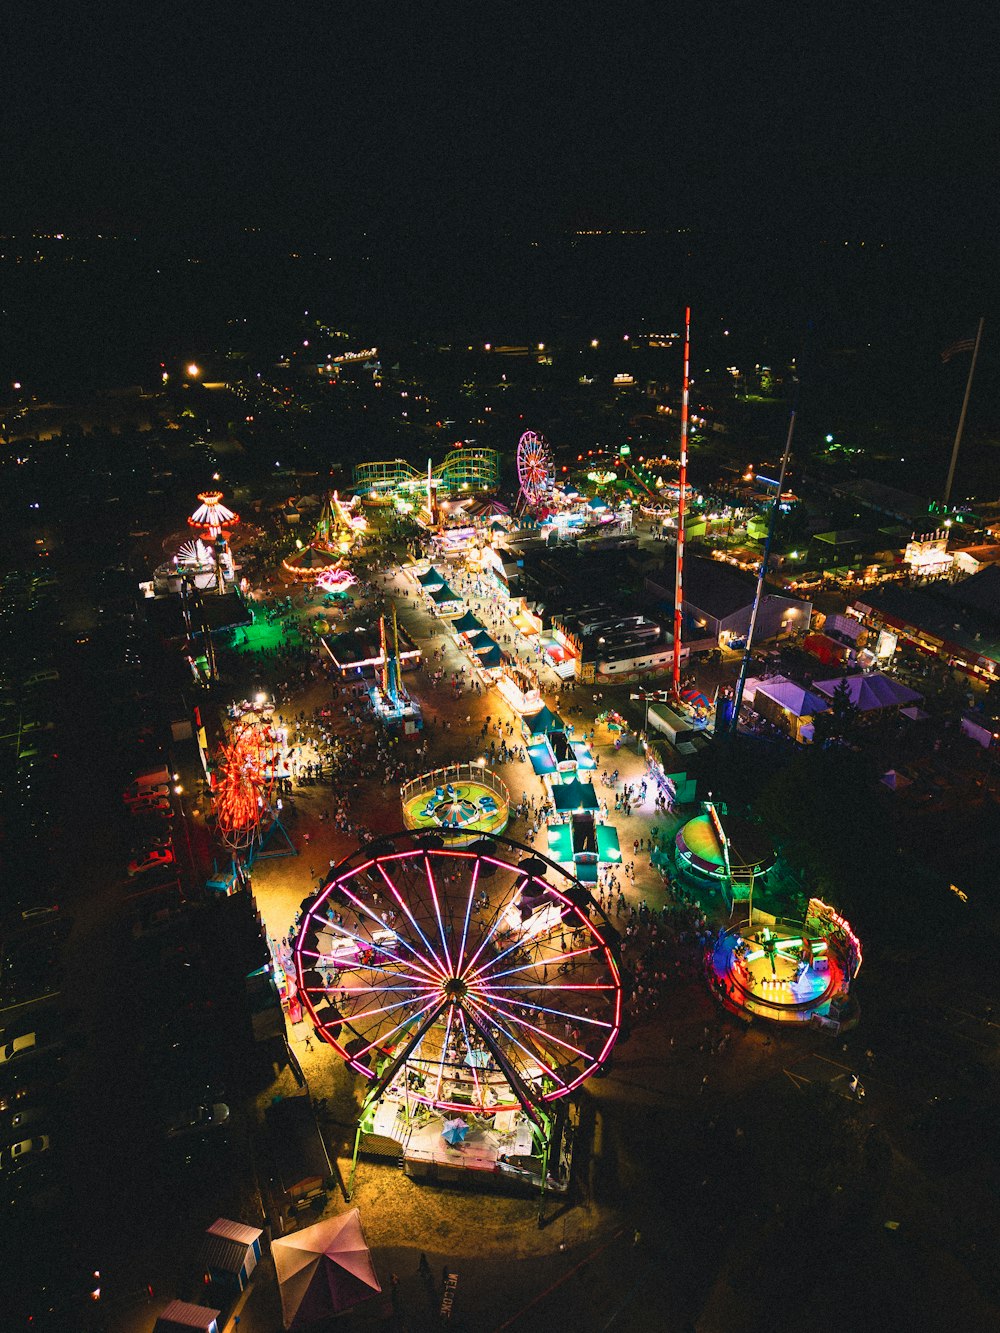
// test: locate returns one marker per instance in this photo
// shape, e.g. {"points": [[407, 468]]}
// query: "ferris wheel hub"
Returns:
{"points": [[456, 989]]}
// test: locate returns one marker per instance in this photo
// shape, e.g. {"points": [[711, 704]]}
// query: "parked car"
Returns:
{"points": [[151, 805], [21, 1121], [151, 859], [198, 1120], [33, 914], [19, 1154], [18, 1049], [135, 796]]}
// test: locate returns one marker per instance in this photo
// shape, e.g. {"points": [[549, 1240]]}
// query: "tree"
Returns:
{"points": [[839, 724]]}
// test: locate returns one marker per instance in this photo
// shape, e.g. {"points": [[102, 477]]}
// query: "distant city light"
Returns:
{"points": [[193, 370]]}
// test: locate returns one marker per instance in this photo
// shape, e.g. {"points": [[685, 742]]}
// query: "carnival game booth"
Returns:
{"points": [[430, 580], [462, 798], [519, 687], [557, 752], [574, 797], [445, 602], [475, 995], [536, 726], [722, 849], [468, 628], [361, 652], [585, 845], [789, 972]]}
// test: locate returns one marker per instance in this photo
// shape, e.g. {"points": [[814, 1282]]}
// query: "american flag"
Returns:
{"points": [[962, 345]]}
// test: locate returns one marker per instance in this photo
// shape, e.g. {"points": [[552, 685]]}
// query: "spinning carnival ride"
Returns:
{"points": [[477, 980], [244, 785], [535, 470]]}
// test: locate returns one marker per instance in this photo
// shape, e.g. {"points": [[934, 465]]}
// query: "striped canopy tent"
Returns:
{"points": [[308, 563]]}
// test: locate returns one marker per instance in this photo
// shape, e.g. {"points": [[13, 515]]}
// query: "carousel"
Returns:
{"points": [[462, 798]]}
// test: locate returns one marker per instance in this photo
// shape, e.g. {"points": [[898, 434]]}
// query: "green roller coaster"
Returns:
{"points": [[470, 468]]}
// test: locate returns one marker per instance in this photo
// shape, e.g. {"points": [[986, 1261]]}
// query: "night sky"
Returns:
{"points": [[614, 114], [426, 141]]}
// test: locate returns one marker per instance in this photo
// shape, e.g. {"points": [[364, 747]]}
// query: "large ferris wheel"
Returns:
{"points": [[481, 978], [535, 469]]}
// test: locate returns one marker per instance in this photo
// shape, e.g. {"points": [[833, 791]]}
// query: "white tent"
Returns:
{"points": [[323, 1270]]}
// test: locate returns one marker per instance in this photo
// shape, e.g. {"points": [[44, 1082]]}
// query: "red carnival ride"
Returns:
{"points": [[244, 784]]}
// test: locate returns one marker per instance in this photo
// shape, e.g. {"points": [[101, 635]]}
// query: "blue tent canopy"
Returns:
{"points": [[542, 759]]}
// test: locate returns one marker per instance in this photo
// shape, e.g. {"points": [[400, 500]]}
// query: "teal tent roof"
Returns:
{"points": [[570, 797], [542, 759], [608, 846], [491, 659], [560, 838], [468, 624], [542, 722], [444, 594], [431, 580]]}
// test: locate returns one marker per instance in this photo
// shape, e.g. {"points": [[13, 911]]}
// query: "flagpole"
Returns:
{"points": [[961, 419]]}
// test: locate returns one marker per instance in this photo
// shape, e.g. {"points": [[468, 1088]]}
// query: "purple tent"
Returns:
{"points": [[323, 1270]]}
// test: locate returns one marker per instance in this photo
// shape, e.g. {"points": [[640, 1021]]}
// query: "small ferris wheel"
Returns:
{"points": [[245, 782], [534, 468]]}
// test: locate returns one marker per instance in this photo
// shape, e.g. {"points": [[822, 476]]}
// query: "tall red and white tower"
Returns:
{"points": [[681, 507]]}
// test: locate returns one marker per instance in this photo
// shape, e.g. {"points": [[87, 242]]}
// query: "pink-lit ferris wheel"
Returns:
{"points": [[534, 469], [482, 977]]}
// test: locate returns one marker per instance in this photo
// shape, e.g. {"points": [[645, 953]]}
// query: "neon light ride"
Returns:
{"points": [[245, 781], [535, 469], [212, 515], [477, 980], [790, 972]]}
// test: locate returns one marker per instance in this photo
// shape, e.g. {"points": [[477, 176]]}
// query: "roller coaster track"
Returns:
{"points": [[470, 468]]}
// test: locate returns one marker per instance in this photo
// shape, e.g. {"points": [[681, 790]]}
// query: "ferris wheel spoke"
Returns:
{"points": [[444, 1052], [473, 883], [361, 906], [488, 1017], [413, 920], [383, 1009], [353, 965], [534, 962], [429, 873], [384, 1036], [468, 1045], [557, 1013], [544, 1033]]}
